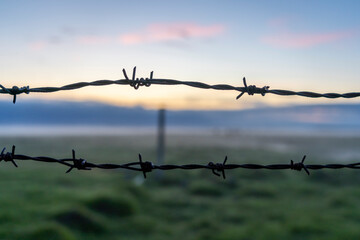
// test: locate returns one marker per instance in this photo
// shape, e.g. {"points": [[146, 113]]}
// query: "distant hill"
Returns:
{"points": [[330, 116]]}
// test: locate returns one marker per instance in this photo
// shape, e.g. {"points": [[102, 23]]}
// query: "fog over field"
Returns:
{"points": [[90, 118]]}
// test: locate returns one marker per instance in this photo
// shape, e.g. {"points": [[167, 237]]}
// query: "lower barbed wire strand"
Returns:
{"points": [[145, 167]]}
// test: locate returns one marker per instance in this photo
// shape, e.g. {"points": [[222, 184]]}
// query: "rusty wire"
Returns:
{"points": [[137, 82], [145, 167]]}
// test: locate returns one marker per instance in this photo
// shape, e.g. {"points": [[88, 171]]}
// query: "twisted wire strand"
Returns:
{"points": [[137, 82], [217, 169]]}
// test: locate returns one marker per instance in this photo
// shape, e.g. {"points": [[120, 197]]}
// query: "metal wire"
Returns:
{"points": [[217, 169], [137, 82]]}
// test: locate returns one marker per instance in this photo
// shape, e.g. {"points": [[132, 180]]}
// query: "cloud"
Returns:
{"points": [[305, 40], [164, 32], [38, 45], [42, 44], [93, 40], [160, 32], [284, 35]]}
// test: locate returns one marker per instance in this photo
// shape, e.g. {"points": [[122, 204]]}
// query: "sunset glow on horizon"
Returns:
{"points": [[284, 44]]}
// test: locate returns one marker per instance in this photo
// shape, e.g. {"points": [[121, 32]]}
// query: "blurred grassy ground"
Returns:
{"points": [[39, 201]]}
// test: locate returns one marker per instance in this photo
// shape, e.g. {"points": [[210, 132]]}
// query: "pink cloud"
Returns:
{"points": [[93, 40], [171, 32], [38, 45], [152, 33], [131, 38], [300, 40]]}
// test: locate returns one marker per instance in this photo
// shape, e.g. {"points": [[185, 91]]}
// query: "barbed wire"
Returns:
{"points": [[145, 167], [147, 82]]}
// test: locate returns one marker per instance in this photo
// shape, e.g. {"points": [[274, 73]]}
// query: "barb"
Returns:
{"points": [[137, 82], [299, 166], [9, 156], [80, 164], [146, 167], [15, 91], [220, 167], [252, 89]]}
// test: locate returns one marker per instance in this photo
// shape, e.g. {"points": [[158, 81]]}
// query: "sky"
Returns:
{"points": [[293, 45]]}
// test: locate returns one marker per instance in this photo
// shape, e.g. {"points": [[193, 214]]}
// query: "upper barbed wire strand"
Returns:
{"points": [[137, 82]]}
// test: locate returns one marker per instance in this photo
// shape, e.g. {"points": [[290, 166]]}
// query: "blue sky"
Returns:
{"points": [[295, 45]]}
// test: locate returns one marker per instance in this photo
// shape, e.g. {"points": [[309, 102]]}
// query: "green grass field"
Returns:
{"points": [[39, 201]]}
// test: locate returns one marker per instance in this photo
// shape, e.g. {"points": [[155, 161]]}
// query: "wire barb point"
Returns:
{"points": [[299, 166], [145, 166], [9, 156], [220, 167], [137, 82], [79, 164], [15, 90], [252, 89]]}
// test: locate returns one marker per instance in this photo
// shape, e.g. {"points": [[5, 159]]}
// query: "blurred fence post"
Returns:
{"points": [[161, 138]]}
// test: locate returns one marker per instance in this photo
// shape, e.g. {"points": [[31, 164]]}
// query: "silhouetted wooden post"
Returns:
{"points": [[161, 138]]}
